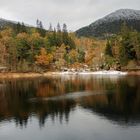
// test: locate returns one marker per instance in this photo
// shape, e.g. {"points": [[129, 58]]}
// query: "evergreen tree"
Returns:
{"points": [[40, 28], [65, 28], [37, 23], [20, 28], [108, 50], [59, 40], [65, 35], [136, 42], [40, 25], [66, 39], [81, 56], [58, 28], [50, 28], [23, 28]]}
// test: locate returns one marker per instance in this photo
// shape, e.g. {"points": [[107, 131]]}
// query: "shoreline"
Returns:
{"points": [[8, 75]]}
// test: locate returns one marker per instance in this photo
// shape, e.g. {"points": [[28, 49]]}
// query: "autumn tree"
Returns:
{"points": [[44, 59], [81, 56], [8, 48], [35, 41], [59, 55], [72, 56], [3, 54], [23, 46]]}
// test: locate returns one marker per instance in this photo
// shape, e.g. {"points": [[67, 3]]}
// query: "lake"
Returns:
{"points": [[70, 107]]}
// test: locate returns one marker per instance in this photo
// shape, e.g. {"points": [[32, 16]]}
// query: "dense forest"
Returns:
{"points": [[30, 49]]}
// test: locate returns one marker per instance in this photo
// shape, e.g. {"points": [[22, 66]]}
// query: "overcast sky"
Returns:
{"points": [[75, 13]]}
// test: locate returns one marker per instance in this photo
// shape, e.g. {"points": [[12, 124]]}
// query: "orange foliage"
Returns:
{"points": [[44, 59]]}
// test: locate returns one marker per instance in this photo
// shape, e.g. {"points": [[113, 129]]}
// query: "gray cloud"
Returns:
{"points": [[75, 13]]}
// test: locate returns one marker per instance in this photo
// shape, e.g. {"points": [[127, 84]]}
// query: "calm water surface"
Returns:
{"points": [[70, 108]]}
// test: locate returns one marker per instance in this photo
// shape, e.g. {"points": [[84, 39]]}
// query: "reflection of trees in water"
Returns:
{"points": [[121, 105], [121, 100], [57, 109], [15, 103]]}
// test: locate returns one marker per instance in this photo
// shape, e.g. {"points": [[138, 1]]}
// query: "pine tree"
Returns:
{"points": [[23, 28], [40, 28], [37, 23], [50, 28], [65, 37], [59, 36], [65, 28], [67, 40]]}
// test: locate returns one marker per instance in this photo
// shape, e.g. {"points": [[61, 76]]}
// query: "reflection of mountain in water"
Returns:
{"points": [[119, 103]]}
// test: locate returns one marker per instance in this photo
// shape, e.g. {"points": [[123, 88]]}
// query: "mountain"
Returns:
{"points": [[10, 23], [19, 27], [4, 22], [111, 24]]}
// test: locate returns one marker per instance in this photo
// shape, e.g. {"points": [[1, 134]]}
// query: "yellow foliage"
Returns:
{"points": [[6, 32], [84, 43], [60, 51], [73, 54], [23, 36], [35, 36]]}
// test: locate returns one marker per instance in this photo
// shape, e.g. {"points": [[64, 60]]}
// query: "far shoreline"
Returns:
{"points": [[17, 75]]}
